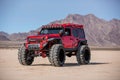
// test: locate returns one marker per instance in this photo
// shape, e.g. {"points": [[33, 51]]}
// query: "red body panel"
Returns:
{"points": [[67, 41], [40, 37]]}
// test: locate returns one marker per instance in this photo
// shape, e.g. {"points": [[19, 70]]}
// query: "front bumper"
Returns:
{"points": [[33, 46]]}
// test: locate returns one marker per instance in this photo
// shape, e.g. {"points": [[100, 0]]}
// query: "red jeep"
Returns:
{"points": [[56, 41]]}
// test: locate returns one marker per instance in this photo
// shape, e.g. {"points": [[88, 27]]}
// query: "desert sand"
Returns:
{"points": [[104, 65]]}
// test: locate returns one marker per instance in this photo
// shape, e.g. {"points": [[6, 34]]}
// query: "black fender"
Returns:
{"points": [[54, 40], [82, 42], [57, 40]]}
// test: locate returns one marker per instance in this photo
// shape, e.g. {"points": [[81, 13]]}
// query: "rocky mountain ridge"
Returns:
{"points": [[99, 32]]}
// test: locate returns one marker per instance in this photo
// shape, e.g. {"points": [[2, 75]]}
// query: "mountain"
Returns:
{"points": [[99, 32], [3, 38], [17, 36], [4, 34]]}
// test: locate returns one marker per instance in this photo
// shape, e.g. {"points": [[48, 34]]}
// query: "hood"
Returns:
{"points": [[41, 36], [52, 35]]}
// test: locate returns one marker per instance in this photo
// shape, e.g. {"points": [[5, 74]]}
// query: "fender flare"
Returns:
{"points": [[58, 40], [82, 43], [52, 39]]}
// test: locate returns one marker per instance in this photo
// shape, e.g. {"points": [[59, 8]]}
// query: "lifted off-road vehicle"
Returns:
{"points": [[56, 41]]}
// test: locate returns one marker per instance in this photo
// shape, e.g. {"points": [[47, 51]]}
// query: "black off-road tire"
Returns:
{"points": [[83, 55], [24, 56], [49, 58], [57, 55]]}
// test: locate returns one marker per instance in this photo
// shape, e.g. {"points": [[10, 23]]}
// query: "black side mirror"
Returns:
{"points": [[61, 32], [66, 33]]}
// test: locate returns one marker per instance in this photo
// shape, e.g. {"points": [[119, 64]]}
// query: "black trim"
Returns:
{"points": [[58, 40], [83, 42], [70, 49]]}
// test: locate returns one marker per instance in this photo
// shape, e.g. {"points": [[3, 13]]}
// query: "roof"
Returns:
{"points": [[62, 25]]}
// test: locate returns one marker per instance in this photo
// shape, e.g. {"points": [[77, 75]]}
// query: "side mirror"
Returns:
{"points": [[61, 32], [66, 33]]}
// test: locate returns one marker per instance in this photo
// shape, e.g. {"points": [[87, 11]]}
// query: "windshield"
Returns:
{"points": [[50, 30]]}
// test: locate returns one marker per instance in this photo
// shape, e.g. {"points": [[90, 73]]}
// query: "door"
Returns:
{"points": [[75, 37], [67, 38]]}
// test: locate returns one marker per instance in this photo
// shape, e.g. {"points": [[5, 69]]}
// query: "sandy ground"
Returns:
{"points": [[105, 65]]}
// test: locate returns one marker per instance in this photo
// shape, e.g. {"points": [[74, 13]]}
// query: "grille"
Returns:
{"points": [[33, 46], [34, 40]]}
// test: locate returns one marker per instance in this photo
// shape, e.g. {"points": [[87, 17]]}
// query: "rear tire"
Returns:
{"points": [[57, 55], [24, 56], [83, 55]]}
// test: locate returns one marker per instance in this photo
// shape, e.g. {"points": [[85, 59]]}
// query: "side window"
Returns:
{"points": [[67, 31], [75, 32], [81, 33]]}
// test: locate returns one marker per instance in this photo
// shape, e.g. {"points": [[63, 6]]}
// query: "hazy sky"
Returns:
{"points": [[26, 15]]}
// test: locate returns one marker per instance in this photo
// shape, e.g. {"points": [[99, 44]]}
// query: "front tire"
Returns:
{"points": [[57, 55], [83, 55], [24, 56]]}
